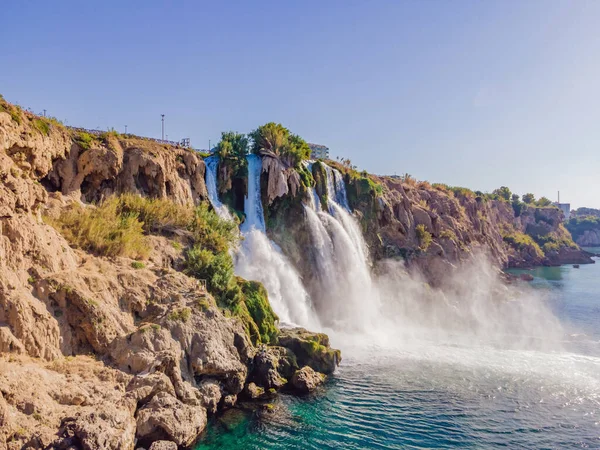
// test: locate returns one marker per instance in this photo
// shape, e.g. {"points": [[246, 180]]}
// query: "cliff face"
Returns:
{"points": [[584, 225], [164, 354], [431, 228]]}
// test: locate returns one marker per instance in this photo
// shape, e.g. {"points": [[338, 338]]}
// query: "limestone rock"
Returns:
{"points": [[166, 418], [163, 445], [306, 379], [273, 367], [311, 349]]}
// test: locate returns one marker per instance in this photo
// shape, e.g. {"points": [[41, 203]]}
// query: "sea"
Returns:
{"points": [[446, 395]]}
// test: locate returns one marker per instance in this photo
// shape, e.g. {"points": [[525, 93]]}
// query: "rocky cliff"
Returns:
{"points": [[431, 227], [584, 226], [105, 342]]}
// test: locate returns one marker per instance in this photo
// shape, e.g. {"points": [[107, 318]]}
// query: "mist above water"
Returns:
{"points": [[357, 303]]}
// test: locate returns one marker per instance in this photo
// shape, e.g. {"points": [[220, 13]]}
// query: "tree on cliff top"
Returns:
{"points": [[232, 150], [543, 201], [274, 137], [232, 145], [503, 192], [529, 198]]}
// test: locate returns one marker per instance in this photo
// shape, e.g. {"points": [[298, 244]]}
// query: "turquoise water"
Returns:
{"points": [[442, 395]]}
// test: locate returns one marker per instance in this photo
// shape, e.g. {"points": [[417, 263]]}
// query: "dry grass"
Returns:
{"points": [[103, 229], [156, 213]]}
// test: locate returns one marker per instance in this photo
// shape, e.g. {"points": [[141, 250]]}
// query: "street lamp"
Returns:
{"points": [[125, 129], [163, 126]]}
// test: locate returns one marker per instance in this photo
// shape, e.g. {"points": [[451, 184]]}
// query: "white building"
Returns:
{"points": [[566, 209], [319, 151]]}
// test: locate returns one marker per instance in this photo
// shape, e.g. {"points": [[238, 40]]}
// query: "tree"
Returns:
{"points": [[274, 137], [503, 192], [515, 198], [232, 145], [529, 198], [543, 201]]}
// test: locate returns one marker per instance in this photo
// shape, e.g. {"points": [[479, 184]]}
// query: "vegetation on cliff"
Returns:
{"points": [[119, 226], [275, 138], [577, 226]]}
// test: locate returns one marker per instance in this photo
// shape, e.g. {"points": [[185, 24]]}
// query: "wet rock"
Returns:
{"points": [[273, 366], [311, 349], [306, 380]]}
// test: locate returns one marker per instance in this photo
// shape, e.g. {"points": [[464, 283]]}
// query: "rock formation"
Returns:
{"points": [[99, 352]]}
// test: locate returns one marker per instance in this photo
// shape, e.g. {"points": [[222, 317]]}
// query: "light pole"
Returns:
{"points": [[163, 126], [125, 129], [209, 146], [44, 113]]}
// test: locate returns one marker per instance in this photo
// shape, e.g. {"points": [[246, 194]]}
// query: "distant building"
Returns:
{"points": [[319, 151], [566, 209]]}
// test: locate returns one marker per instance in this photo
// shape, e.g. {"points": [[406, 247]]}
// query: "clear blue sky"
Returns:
{"points": [[470, 93]]}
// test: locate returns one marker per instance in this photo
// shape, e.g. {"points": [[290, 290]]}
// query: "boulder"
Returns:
{"points": [[311, 349], [306, 380], [163, 445], [166, 418], [273, 366]]}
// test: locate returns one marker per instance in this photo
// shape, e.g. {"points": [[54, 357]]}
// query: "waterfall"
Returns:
{"points": [[258, 258], [261, 260], [340, 188], [336, 189], [343, 289], [212, 164], [313, 200], [253, 209]]}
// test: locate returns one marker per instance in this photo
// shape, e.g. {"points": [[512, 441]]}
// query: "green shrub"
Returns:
{"points": [[84, 140], [41, 125], [15, 115], [138, 265], [424, 237], [503, 193], [448, 234], [543, 201], [216, 269], [529, 198], [181, 314], [102, 229], [522, 241], [110, 133]]}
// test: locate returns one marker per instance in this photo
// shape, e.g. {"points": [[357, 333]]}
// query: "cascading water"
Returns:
{"points": [[258, 258], [212, 164], [261, 260], [344, 291], [255, 217]]}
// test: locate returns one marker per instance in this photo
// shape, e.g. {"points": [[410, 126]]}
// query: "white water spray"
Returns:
{"points": [[212, 164]]}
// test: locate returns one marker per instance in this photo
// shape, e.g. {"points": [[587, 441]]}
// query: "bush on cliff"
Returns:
{"points": [[424, 237], [156, 213], [274, 137], [529, 198], [503, 193], [84, 140], [521, 241], [103, 230]]}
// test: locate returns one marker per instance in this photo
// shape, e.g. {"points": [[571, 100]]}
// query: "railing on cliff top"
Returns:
{"points": [[160, 141]]}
